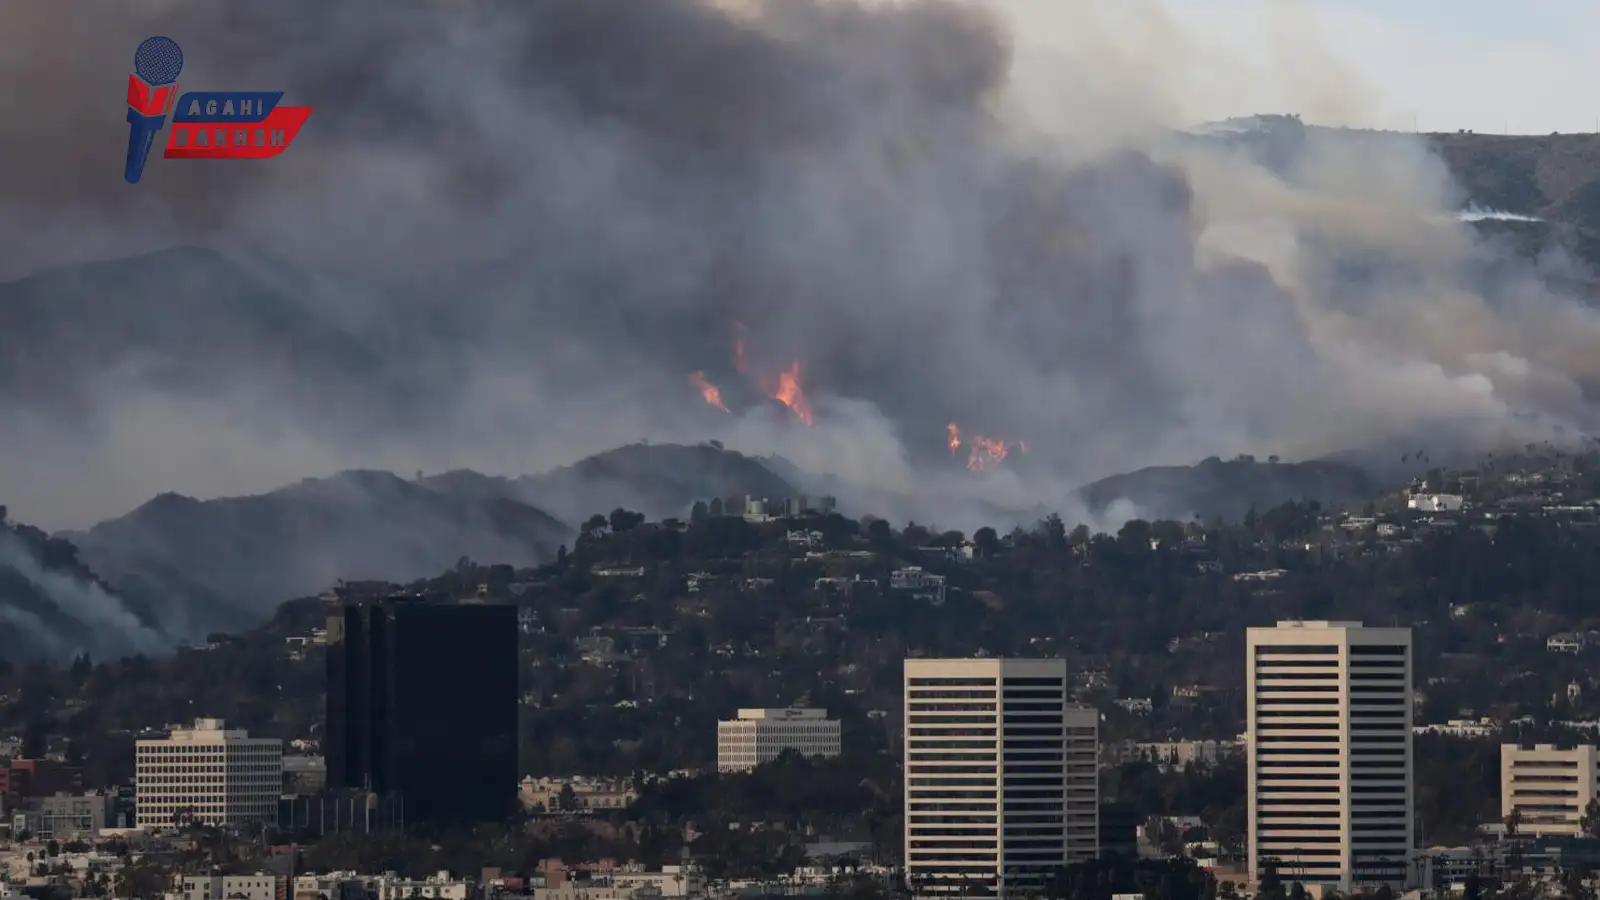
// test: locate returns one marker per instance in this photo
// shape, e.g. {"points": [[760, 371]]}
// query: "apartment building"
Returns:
{"points": [[1549, 788], [208, 774], [65, 816], [762, 735], [1329, 753], [229, 887], [1001, 782]]}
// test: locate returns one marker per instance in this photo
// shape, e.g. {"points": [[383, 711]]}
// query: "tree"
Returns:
{"points": [[986, 542], [1513, 821], [567, 800], [1271, 887], [1591, 819], [622, 520]]}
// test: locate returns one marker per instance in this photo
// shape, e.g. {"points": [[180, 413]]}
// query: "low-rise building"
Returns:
{"points": [[439, 886], [64, 815], [762, 735], [583, 793], [920, 584], [304, 774], [1548, 788], [230, 887]]}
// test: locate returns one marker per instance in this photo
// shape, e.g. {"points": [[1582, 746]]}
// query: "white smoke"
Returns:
{"points": [[1475, 213], [108, 628]]}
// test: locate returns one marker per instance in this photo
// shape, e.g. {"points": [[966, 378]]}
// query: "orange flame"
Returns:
{"points": [[707, 390], [984, 451], [790, 393]]}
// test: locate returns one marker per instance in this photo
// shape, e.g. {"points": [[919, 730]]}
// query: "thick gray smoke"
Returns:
{"points": [[525, 224]]}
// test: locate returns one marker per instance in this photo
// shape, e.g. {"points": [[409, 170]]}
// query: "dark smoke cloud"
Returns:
{"points": [[547, 213]]}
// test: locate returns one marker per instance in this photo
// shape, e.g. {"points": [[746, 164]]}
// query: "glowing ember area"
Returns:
{"points": [[790, 393], [987, 452], [708, 390], [984, 452]]}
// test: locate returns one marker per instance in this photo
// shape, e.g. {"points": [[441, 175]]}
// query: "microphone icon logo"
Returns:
{"points": [[152, 89]]}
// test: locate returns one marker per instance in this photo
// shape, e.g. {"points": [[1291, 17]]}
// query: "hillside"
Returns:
{"points": [[229, 562], [659, 480], [1213, 489], [1554, 177], [52, 606]]}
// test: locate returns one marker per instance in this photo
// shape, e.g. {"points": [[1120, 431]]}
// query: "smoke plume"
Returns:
{"points": [[533, 221]]}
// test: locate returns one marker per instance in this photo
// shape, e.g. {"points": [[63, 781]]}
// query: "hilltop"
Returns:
{"points": [[1213, 489]]}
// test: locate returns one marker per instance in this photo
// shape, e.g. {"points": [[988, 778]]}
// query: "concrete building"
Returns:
{"points": [[1329, 753], [304, 775], [1001, 768], [762, 735], [1548, 787], [63, 815], [919, 584], [22, 780], [586, 793], [216, 775], [225, 887]]}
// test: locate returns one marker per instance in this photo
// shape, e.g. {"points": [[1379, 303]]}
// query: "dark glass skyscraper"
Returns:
{"points": [[422, 701]]}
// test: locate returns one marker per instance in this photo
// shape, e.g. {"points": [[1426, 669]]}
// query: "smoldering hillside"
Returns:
{"points": [[511, 231]]}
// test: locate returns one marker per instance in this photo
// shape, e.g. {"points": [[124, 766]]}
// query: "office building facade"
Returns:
{"points": [[1001, 776], [1329, 753], [209, 775], [1548, 788], [422, 701], [762, 735]]}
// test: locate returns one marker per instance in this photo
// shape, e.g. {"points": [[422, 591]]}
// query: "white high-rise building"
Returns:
{"points": [[762, 735], [1330, 756], [1001, 776], [210, 775], [1548, 787]]}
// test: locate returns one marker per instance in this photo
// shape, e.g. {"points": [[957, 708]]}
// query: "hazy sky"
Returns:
{"points": [[1486, 65]]}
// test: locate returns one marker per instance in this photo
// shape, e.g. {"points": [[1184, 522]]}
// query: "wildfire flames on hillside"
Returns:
{"points": [[788, 389], [982, 452], [790, 393], [708, 391]]}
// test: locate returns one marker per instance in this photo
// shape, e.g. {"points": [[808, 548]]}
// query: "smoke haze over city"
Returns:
{"points": [[515, 234]]}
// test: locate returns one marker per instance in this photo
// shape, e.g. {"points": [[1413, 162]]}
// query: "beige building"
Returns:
{"points": [[1002, 780], [587, 793], [762, 735], [1329, 753], [1550, 788], [230, 887], [215, 775]]}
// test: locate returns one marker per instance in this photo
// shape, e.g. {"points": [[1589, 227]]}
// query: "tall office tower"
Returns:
{"points": [[1330, 758], [1001, 776], [422, 701]]}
